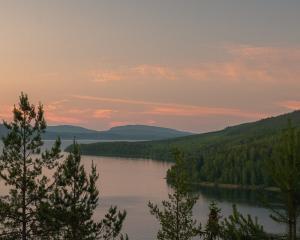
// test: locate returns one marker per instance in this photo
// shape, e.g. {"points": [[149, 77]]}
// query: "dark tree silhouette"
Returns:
{"points": [[69, 213], [21, 165], [176, 217]]}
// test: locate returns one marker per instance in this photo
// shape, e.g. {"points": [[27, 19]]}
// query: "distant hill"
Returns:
{"points": [[141, 132], [235, 155], [69, 129], [129, 132]]}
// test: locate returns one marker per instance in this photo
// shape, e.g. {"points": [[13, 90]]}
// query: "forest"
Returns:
{"points": [[62, 207], [235, 155]]}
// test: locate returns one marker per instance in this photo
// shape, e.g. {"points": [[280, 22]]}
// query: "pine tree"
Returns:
{"points": [[176, 217], [69, 213], [239, 227], [21, 168], [284, 168], [213, 227]]}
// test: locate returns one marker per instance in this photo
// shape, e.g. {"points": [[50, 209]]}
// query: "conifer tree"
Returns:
{"points": [[234, 227], [176, 217], [239, 227], [284, 168], [69, 213], [213, 228], [21, 169]]}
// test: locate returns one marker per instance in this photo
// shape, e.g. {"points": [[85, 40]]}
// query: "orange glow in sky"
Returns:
{"points": [[197, 65]]}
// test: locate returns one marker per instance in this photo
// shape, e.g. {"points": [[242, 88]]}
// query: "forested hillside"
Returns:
{"points": [[235, 155]]}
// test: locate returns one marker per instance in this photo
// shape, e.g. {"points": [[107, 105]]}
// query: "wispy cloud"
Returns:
{"points": [[243, 63], [194, 111], [55, 105], [114, 100], [102, 113], [56, 118], [138, 72], [174, 109]]}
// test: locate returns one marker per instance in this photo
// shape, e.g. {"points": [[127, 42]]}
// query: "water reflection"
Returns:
{"points": [[131, 183]]}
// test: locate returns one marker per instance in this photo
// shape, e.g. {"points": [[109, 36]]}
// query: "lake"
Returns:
{"points": [[131, 183]]}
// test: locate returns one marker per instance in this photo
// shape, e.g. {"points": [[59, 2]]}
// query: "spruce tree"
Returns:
{"points": [[234, 227], [21, 169], [176, 216], [213, 227], [69, 212], [284, 169], [239, 227]]}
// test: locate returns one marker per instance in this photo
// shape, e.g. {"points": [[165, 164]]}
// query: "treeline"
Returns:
{"points": [[176, 216], [235, 155], [62, 207], [243, 163]]}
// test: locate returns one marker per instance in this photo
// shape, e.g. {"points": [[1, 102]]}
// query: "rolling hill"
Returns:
{"points": [[129, 132], [234, 155]]}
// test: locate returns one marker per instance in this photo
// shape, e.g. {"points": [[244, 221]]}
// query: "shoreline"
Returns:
{"points": [[235, 186]]}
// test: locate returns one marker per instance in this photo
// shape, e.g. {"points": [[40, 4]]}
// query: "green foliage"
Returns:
{"points": [[239, 227], [213, 229], [176, 217], [235, 227], [235, 155], [21, 169], [69, 212], [284, 168]]}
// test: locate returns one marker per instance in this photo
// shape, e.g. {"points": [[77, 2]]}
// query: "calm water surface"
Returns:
{"points": [[131, 183]]}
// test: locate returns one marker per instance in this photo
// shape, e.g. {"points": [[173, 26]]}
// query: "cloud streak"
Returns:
{"points": [[174, 109], [243, 63], [102, 113]]}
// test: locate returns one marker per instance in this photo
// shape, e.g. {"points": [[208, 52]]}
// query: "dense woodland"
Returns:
{"points": [[62, 207], [235, 155]]}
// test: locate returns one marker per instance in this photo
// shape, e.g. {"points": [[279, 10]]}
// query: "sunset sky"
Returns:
{"points": [[196, 65]]}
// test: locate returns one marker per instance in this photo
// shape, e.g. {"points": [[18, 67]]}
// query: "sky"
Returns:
{"points": [[196, 65]]}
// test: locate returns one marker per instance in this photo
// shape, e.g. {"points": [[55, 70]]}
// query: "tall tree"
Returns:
{"points": [[213, 228], [176, 216], [21, 168], [69, 213], [284, 168], [239, 227], [234, 227]]}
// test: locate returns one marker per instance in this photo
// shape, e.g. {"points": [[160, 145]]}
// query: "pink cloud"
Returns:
{"points": [[243, 63], [292, 105], [101, 76], [102, 113], [53, 117], [78, 111], [204, 111], [114, 100], [55, 105], [174, 109], [133, 73], [155, 71]]}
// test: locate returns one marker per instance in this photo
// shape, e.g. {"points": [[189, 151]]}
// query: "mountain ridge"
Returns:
{"points": [[126, 132]]}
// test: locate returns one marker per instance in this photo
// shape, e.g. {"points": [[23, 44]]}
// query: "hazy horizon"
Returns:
{"points": [[191, 65]]}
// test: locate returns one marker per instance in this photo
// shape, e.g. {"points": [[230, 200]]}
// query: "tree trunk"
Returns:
{"points": [[24, 189], [24, 222]]}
